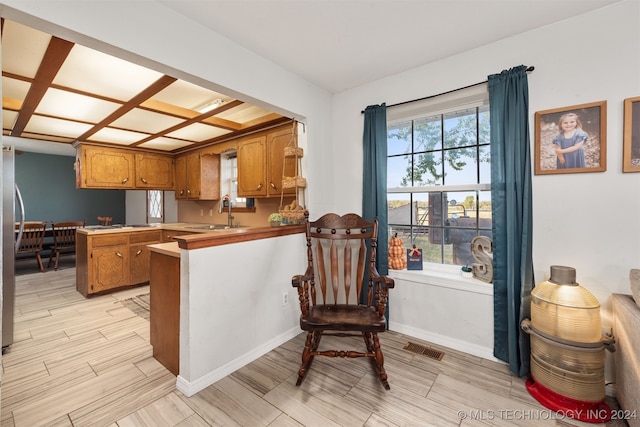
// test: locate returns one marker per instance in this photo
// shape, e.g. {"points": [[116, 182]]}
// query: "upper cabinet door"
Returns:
{"points": [[154, 171], [197, 176], [278, 165], [252, 167], [100, 167]]}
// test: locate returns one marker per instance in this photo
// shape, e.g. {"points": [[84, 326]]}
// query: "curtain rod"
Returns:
{"points": [[528, 70]]}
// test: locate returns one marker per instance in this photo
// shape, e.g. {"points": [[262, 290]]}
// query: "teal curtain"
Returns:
{"points": [[511, 204], [374, 188]]}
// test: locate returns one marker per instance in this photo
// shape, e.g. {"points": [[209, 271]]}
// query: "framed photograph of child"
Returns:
{"points": [[571, 139], [631, 149]]}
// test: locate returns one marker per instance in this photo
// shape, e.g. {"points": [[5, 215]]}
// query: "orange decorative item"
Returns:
{"points": [[397, 256]]}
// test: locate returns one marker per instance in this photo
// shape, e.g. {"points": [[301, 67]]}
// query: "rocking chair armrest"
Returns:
{"points": [[378, 278], [299, 279]]}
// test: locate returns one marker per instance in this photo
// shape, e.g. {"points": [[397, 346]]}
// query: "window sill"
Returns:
{"points": [[443, 276]]}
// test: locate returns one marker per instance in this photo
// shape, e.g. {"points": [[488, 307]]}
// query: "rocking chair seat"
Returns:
{"points": [[343, 317]]}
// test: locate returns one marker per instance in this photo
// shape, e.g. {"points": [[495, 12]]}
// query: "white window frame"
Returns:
{"points": [[470, 97]]}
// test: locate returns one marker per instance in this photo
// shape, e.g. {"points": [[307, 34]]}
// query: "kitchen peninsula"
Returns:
{"points": [[226, 297], [114, 257]]}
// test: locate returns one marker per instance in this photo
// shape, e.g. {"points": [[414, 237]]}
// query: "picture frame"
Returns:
{"points": [[631, 138], [583, 150]]}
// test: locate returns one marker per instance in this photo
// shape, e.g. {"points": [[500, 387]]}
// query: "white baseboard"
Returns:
{"points": [[189, 388], [445, 341]]}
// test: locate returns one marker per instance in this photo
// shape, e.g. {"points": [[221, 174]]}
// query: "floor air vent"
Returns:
{"points": [[425, 351]]}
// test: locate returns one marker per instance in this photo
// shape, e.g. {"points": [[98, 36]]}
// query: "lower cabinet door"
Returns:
{"points": [[111, 268], [140, 259]]}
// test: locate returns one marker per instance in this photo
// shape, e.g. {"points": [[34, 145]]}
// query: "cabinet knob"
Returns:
{"points": [[124, 181], [118, 254], [273, 186], [188, 191], [143, 180], [182, 192], [139, 252], [259, 187]]}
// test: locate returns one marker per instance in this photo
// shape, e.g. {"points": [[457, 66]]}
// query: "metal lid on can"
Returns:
{"points": [[562, 275]]}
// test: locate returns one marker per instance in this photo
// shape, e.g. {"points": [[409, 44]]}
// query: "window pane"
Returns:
{"points": [[427, 169], [460, 129], [462, 204], [399, 209], [484, 212], [431, 252], [460, 166], [399, 138], [485, 164], [484, 137], [399, 171], [427, 134], [154, 206]]}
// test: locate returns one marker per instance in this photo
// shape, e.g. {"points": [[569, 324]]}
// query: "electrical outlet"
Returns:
{"points": [[210, 212], [285, 298], [201, 212]]}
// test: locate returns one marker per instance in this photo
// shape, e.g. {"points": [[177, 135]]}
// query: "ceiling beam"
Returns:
{"points": [[54, 57], [190, 121], [157, 86]]}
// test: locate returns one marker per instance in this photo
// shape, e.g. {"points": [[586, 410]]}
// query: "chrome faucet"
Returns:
{"points": [[227, 199], [229, 216]]}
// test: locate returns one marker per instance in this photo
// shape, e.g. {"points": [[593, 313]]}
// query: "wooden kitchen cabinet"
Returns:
{"points": [[260, 163], [154, 171], [102, 167], [111, 261], [252, 167], [277, 165], [197, 176], [139, 254], [117, 168]]}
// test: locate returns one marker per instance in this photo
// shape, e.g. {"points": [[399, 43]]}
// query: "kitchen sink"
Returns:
{"points": [[98, 227], [211, 227]]}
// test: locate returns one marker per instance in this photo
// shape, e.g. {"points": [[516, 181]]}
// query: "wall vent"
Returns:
{"points": [[425, 351]]}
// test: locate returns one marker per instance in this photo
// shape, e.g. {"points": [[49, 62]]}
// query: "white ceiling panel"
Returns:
{"points": [[146, 121], [198, 132], [22, 49], [52, 126], [77, 107], [165, 144], [14, 89], [117, 136], [95, 72], [243, 113], [188, 95]]}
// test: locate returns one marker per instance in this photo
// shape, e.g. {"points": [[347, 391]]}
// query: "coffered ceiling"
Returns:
{"points": [[54, 90]]}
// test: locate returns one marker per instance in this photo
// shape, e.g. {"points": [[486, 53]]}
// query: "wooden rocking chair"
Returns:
{"points": [[341, 292]]}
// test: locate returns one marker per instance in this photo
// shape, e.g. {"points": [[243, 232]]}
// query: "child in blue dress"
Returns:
{"points": [[569, 142]]}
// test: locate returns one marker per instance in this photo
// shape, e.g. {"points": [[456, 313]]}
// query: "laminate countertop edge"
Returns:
{"points": [[169, 249], [237, 235]]}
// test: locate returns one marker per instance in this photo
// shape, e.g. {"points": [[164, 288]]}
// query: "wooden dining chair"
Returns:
{"points": [[32, 239], [64, 240], [341, 293]]}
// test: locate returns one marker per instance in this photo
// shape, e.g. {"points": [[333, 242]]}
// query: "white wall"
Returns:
{"points": [[590, 221]]}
